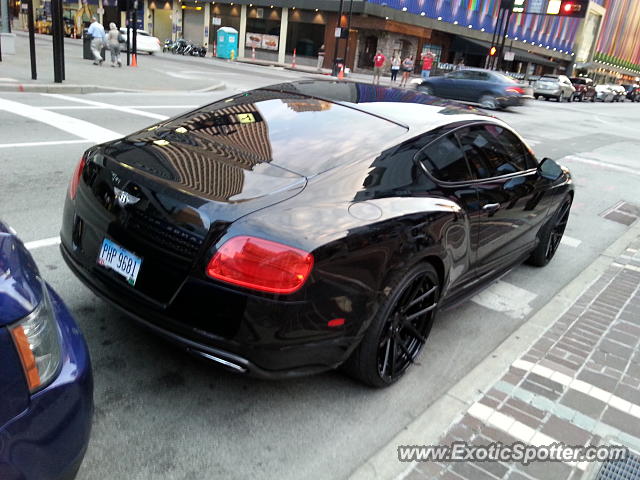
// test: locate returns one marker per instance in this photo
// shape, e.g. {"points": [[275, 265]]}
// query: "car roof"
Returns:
{"points": [[412, 109]]}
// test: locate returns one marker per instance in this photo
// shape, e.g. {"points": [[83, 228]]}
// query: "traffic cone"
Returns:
{"points": [[341, 72], [253, 53], [134, 62], [293, 64]]}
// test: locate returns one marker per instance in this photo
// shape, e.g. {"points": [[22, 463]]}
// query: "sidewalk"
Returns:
{"points": [[577, 382], [81, 76]]}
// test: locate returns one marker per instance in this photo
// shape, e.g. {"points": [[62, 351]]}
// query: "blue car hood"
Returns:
{"points": [[20, 285]]}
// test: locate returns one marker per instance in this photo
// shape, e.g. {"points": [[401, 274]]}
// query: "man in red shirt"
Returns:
{"points": [[427, 63], [378, 64]]}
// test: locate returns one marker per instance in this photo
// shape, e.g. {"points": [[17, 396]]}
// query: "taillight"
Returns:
{"points": [[261, 265], [75, 179], [519, 90]]}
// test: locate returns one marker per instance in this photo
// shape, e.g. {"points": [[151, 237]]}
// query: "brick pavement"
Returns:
{"points": [[579, 383]]}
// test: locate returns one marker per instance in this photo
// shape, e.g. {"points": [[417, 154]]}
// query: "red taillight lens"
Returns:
{"points": [[519, 90], [261, 265], [75, 179]]}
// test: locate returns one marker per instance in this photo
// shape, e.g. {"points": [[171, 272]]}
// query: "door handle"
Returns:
{"points": [[491, 207]]}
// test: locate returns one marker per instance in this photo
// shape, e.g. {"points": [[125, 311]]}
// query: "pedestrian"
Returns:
{"points": [[460, 64], [321, 57], [407, 68], [395, 67], [113, 41], [427, 63], [378, 64], [96, 30]]}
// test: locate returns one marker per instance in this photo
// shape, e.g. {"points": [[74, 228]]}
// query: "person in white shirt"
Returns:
{"points": [[96, 30]]}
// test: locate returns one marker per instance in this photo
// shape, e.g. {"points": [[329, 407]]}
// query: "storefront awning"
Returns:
{"points": [[482, 47]]}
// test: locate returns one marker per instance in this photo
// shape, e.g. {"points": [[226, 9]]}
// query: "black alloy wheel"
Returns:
{"points": [[551, 235], [400, 330]]}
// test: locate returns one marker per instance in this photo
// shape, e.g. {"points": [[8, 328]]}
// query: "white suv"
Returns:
{"points": [[554, 86]]}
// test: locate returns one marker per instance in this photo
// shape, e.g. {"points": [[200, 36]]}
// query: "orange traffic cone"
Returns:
{"points": [[341, 72], [134, 62]]}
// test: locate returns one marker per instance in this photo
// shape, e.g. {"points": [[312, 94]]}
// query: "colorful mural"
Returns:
{"points": [[619, 40], [556, 33]]}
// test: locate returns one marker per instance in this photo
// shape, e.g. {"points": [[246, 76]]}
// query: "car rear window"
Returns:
{"points": [[549, 79], [304, 135]]}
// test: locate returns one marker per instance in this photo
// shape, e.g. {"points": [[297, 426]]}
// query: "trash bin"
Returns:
{"points": [[86, 45]]}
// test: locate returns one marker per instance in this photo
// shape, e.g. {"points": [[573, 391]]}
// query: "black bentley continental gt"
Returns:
{"points": [[292, 229]]}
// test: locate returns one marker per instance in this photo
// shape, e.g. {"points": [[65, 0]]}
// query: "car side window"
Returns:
{"points": [[445, 160], [457, 75], [493, 151]]}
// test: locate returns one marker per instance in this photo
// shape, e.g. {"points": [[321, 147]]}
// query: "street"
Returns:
{"points": [[160, 413]]}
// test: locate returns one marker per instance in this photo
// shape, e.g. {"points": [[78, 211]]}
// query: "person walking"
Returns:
{"points": [[395, 68], [96, 30], [407, 67], [378, 64], [113, 41], [321, 57], [427, 63]]}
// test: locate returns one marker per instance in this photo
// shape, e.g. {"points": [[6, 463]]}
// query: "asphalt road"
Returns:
{"points": [[162, 414]]}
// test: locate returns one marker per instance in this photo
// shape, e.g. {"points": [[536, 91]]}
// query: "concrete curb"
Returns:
{"points": [[430, 425], [62, 88]]}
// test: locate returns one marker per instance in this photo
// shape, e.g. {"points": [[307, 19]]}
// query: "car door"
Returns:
{"points": [[511, 195], [453, 85], [444, 161]]}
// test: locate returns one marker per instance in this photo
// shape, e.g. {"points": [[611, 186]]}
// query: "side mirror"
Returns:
{"points": [[549, 169]]}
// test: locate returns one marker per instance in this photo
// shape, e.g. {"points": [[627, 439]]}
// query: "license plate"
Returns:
{"points": [[119, 260]]}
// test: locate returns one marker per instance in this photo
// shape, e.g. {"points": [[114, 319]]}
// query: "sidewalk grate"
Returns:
{"points": [[622, 212], [625, 469]]}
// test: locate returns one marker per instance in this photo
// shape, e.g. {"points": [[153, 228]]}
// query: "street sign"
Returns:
{"points": [[338, 32], [216, 21], [509, 56]]}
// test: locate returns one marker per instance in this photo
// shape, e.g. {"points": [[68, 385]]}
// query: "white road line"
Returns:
{"points": [[7, 79], [45, 242], [506, 298], [581, 386], [609, 166], [43, 144], [109, 107], [133, 111], [79, 128], [570, 242]]}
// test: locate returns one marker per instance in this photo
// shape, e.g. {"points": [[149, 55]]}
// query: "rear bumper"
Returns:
{"points": [[513, 100], [49, 439], [256, 348]]}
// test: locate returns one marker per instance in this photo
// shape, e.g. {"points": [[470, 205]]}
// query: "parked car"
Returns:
{"points": [[46, 387], [633, 92], [585, 89], [554, 86], [144, 41], [604, 93], [620, 93], [487, 88], [214, 231]]}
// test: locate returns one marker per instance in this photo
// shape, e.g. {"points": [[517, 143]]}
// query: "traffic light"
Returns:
{"points": [[518, 6], [492, 51], [568, 8]]}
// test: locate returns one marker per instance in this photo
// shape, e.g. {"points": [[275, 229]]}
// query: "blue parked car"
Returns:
{"points": [[46, 386], [489, 89]]}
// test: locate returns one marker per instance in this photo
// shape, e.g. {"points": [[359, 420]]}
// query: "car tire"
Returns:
{"points": [[389, 345], [550, 235], [489, 102], [546, 98], [593, 99]]}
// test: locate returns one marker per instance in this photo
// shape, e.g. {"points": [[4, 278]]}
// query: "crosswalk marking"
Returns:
{"points": [[45, 242], [506, 298], [133, 111], [74, 126], [570, 241]]}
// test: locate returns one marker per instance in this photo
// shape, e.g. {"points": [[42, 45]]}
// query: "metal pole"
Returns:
{"points": [[346, 49], [32, 40], [335, 49], [55, 20], [128, 32], [504, 33], [135, 29]]}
